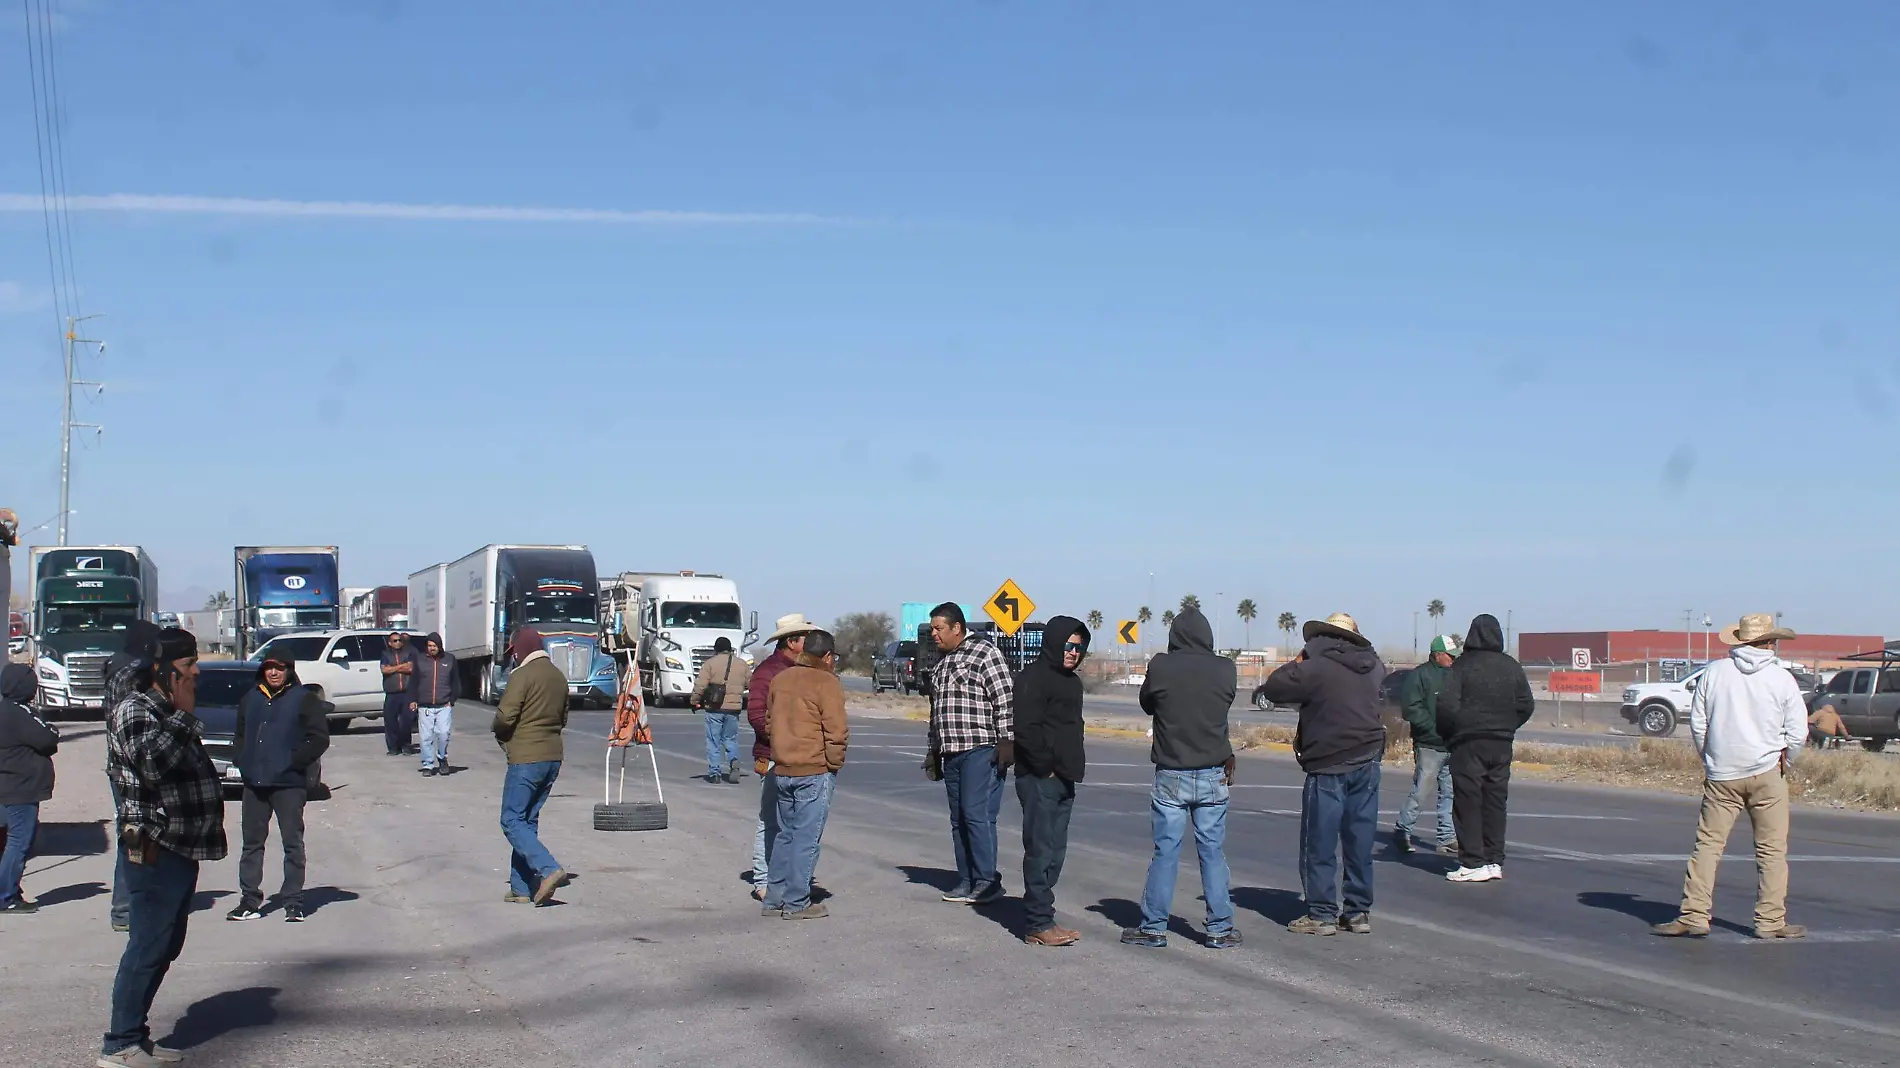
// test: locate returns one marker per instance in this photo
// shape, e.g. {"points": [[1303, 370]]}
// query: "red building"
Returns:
{"points": [[1623, 646]]}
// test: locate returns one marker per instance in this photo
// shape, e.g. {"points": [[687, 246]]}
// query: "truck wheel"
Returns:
{"points": [[1873, 745], [1657, 720], [1261, 703], [876, 686]]}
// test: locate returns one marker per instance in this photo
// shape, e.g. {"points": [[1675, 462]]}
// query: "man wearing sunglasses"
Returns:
{"points": [[1049, 762], [399, 693]]}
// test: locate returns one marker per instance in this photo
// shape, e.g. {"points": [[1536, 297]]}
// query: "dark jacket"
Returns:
{"points": [[757, 702], [26, 742], [1418, 697], [1189, 691], [1337, 689], [1486, 694], [437, 682], [399, 683], [279, 735], [1048, 708]]}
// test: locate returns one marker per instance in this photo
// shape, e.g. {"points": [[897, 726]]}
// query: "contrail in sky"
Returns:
{"points": [[148, 203]]}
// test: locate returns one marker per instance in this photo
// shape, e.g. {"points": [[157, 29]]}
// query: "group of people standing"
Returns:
{"points": [[420, 688]]}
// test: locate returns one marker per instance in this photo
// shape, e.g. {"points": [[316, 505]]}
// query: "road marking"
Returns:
{"points": [[1559, 853]]}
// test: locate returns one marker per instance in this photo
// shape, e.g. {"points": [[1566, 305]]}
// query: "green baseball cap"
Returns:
{"points": [[1445, 643]]}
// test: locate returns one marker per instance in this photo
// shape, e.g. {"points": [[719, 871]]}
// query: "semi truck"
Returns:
{"points": [[425, 596], [380, 608], [668, 621], [285, 589], [83, 599], [496, 590]]}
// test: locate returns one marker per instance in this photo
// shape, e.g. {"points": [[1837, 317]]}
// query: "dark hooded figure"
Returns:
{"points": [[281, 731], [1049, 762], [1189, 691], [1339, 744], [26, 778], [437, 687], [1485, 700]]}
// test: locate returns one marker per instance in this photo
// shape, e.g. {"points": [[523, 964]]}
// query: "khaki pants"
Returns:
{"points": [[1765, 797]]}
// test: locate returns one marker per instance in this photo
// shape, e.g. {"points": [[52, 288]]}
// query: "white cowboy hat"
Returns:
{"points": [[792, 625], [1757, 629], [1337, 625]]}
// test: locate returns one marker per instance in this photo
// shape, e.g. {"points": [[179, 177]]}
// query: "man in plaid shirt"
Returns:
{"points": [[170, 818], [972, 735]]}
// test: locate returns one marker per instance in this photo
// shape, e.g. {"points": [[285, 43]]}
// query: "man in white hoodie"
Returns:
{"points": [[1748, 722]]}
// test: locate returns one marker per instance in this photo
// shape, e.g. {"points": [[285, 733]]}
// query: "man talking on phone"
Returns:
{"points": [[170, 819]]}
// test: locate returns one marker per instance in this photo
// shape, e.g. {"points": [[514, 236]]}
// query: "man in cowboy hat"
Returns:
{"points": [[1748, 722], [1485, 700], [1339, 743], [789, 637]]}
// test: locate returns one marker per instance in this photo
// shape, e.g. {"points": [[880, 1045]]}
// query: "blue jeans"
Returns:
{"points": [[161, 903], [23, 821], [722, 741], [523, 793], [765, 834], [804, 802], [121, 890], [1433, 765], [1339, 814], [974, 787], [434, 725], [1178, 798]]}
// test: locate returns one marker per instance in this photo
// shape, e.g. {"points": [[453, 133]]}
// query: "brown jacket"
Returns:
{"points": [[806, 707], [724, 669], [533, 711]]}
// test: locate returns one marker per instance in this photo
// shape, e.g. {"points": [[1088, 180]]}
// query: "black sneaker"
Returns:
{"points": [[242, 913], [958, 896], [990, 892], [1357, 923], [427, 769], [442, 765], [1224, 940], [20, 906], [293, 914], [122, 926], [1402, 841], [1135, 936]]}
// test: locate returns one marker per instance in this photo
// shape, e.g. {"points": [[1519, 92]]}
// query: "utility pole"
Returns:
{"points": [[66, 423], [1414, 635], [1688, 634]]}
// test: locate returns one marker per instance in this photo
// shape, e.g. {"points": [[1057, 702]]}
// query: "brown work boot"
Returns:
{"points": [[1051, 936], [551, 882], [1786, 930], [1677, 929], [1070, 933]]}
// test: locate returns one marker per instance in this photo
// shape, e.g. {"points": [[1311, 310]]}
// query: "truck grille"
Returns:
{"points": [[700, 656], [575, 660], [86, 672]]}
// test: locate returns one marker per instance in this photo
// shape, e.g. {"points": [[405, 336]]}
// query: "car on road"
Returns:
{"points": [[1655, 708], [220, 684], [345, 667], [1867, 698], [1389, 686], [895, 668]]}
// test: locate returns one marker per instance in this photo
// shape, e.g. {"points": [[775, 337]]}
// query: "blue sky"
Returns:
{"points": [[1588, 315]]}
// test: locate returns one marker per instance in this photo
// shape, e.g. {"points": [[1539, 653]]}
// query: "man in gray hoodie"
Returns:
{"points": [[437, 688]]}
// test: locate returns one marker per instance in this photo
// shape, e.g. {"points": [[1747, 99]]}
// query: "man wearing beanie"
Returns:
{"points": [[528, 725], [170, 820], [1431, 757]]}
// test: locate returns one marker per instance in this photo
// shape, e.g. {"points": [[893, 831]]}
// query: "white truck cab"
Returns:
{"points": [[681, 616]]}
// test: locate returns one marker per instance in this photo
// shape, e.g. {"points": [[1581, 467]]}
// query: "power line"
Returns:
{"points": [[39, 149], [49, 52]]}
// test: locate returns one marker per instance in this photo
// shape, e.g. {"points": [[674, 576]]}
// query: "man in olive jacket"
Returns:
{"points": [[528, 725], [1431, 757]]}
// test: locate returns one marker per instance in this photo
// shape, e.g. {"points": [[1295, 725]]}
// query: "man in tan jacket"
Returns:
{"points": [[809, 735], [722, 677], [528, 725]]}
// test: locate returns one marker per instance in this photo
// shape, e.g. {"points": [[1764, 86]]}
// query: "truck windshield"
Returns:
{"points": [[296, 617], [295, 649], [558, 608], [712, 615], [73, 618]]}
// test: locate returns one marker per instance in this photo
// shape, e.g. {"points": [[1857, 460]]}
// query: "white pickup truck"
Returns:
{"points": [[1656, 707], [344, 666]]}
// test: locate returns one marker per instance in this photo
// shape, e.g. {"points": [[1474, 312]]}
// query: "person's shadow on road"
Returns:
{"points": [[316, 897], [1126, 915], [1650, 912], [222, 1013], [73, 892], [1279, 907]]}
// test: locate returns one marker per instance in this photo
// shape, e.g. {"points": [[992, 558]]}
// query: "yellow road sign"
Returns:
{"points": [[1128, 631], [1009, 606]]}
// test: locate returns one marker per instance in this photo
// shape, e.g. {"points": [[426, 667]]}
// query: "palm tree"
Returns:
{"points": [[1190, 601], [218, 602], [1095, 620], [1287, 622], [1246, 611], [1436, 610], [1142, 617], [1167, 617]]}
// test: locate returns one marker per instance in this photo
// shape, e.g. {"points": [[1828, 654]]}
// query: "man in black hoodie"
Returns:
{"points": [[26, 779], [1189, 691], [1339, 743], [281, 731], [1049, 762], [438, 686], [1485, 700]]}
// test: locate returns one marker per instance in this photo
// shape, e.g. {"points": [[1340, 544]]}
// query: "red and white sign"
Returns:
{"points": [[1579, 659], [1576, 682]]}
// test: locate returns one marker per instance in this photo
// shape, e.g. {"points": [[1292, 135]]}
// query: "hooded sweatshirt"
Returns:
{"points": [[26, 741], [1746, 711], [1049, 708], [437, 684], [280, 733], [1188, 691], [1486, 694], [1337, 689]]}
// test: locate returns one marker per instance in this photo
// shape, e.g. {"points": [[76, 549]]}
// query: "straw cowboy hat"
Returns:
{"points": [[791, 626], [1757, 629], [1337, 625]]}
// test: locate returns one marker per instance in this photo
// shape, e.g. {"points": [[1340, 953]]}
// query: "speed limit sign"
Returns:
{"points": [[1579, 659]]}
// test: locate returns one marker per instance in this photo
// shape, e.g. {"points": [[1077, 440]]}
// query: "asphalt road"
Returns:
{"points": [[657, 956]]}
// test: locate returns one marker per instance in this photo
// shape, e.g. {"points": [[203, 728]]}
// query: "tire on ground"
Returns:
{"points": [[630, 816]]}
